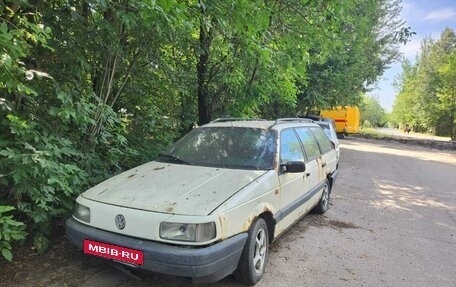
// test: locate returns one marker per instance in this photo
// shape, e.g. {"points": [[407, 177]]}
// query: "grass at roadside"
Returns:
{"points": [[371, 133]]}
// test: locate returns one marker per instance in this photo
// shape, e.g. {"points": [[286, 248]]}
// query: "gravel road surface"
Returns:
{"points": [[392, 222]]}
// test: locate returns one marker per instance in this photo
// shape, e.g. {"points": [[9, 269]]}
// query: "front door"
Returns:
{"points": [[293, 185]]}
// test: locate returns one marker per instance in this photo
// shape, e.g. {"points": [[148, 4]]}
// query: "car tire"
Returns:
{"points": [[253, 260], [323, 204]]}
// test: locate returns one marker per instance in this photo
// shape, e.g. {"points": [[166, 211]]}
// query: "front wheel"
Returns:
{"points": [[323, 204], [253, 260]]}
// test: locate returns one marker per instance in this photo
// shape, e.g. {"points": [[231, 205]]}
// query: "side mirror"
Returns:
{"points": [[295, 166]]}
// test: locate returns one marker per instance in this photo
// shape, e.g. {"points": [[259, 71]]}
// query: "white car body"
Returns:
{"points": [[231, 198]]}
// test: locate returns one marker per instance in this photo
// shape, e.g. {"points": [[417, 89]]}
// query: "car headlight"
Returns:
{"points": [[187, 231], [82, 212]]}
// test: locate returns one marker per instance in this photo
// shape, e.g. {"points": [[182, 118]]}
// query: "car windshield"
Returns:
{"points": [[227, 147]]}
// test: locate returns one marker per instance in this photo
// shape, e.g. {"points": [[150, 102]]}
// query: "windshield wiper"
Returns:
{"points": [[167, 157]]}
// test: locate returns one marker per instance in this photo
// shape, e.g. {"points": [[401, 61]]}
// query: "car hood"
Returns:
{"points": [[172, 188]]}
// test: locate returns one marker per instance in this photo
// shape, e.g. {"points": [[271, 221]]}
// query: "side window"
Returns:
{"points": [[323, 141], [333, 133], [310, 143], [327, 130], [290, 147]]}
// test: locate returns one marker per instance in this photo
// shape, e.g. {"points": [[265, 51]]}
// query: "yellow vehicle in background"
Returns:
{"points": [[346, 119]]}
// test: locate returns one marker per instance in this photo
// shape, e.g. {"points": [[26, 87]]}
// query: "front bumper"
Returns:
{"points": [[202, 264]]}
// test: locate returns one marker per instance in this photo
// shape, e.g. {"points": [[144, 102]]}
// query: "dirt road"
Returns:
{"points": [[392, 222]]}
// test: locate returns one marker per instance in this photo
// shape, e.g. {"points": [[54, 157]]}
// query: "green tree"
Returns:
{"points": [[406, 108], [368, 43], [447, 93], [372, 113], [250, 54], [425, 98]]}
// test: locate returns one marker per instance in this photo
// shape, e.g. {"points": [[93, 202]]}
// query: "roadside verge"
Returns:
{"points": [[435, 144]]}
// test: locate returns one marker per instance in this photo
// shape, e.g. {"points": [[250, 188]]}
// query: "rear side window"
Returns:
{"points": [[334, 135], [323, 141], [309, 142], [326, 129], [290, 148]]}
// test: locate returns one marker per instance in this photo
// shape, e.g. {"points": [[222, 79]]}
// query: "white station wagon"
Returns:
{"points": [[213, 203]]}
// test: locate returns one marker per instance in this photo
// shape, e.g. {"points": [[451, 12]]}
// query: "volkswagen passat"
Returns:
{"points": [[212, 204]]}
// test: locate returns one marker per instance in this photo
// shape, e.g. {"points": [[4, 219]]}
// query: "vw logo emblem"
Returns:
{"points": [[120, 221]]}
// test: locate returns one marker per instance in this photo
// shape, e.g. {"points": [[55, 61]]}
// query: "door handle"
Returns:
{"points": [[323, 164]]}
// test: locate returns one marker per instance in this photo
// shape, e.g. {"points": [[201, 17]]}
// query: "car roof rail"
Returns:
{"points": [[312, 117], [288, 120], [223, 120]]}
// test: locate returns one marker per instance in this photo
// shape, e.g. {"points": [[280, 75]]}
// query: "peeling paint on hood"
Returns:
{"points": [[172, 188]]}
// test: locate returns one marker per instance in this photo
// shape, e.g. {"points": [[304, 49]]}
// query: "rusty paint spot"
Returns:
{"points": [[171, 207], [223, 225], [276, 192], [158, 168], [131, 175], [247, 224]]}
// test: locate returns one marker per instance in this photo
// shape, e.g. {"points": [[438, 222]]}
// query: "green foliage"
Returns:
{"points": [[58, 140], [426, 98], [447, 93], [366, 43], [372, 114], [37, 164], [10, 230], [17, 37]]}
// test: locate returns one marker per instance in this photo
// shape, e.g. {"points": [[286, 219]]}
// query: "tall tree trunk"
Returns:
{"points": [[205, 40]]}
